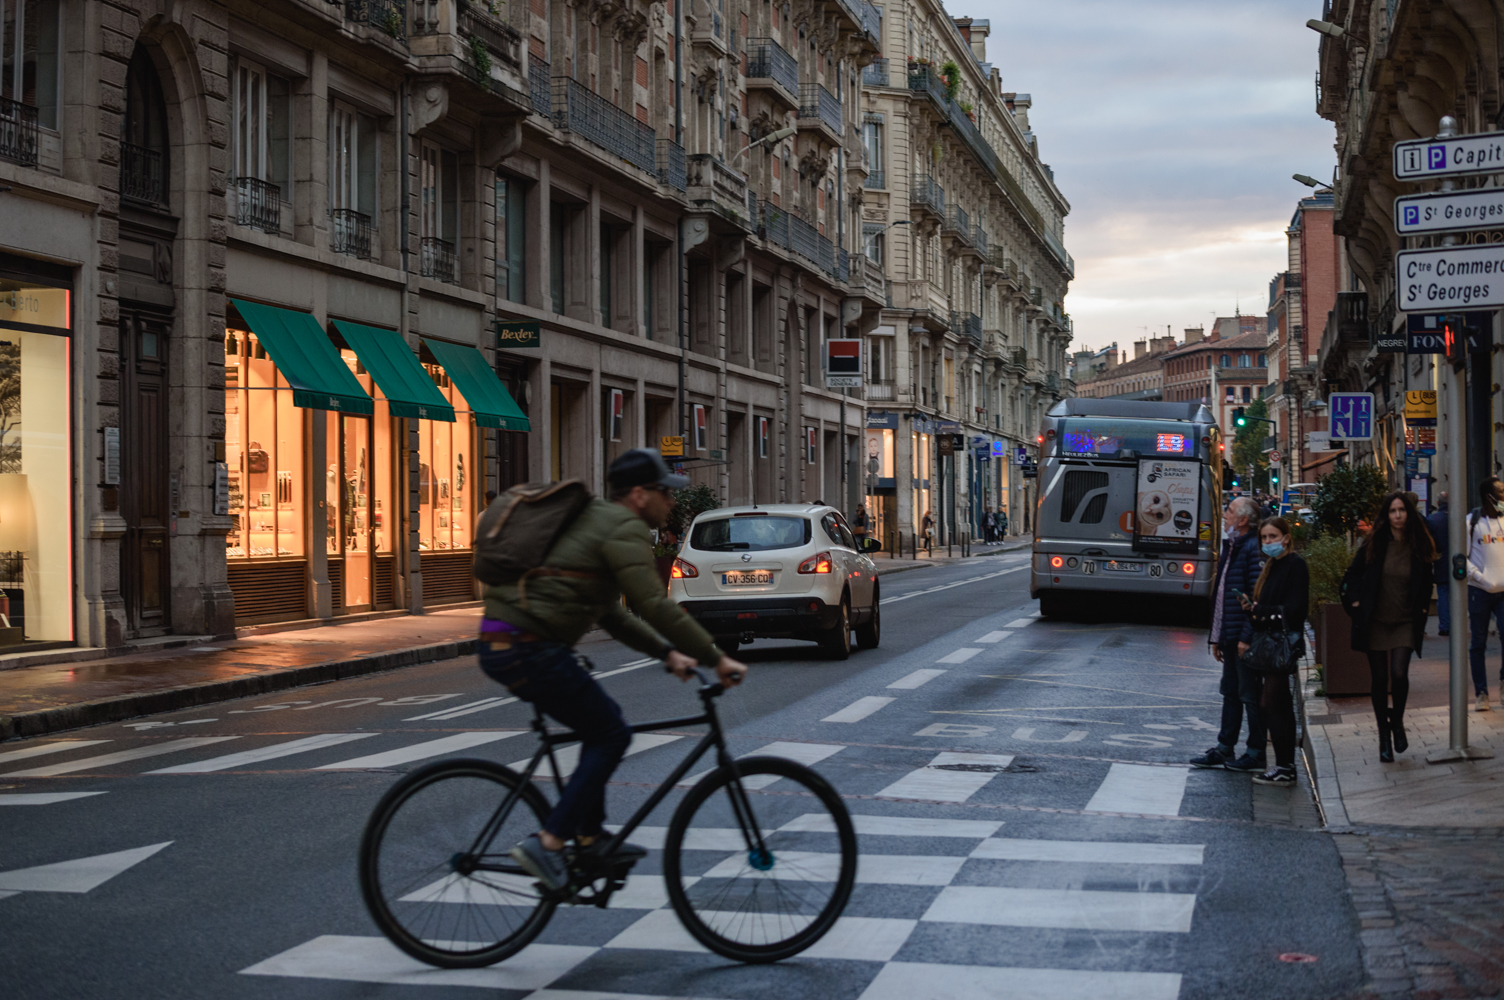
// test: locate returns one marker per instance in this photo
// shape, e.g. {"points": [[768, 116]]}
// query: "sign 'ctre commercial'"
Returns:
{"points": [[1450, 278]]}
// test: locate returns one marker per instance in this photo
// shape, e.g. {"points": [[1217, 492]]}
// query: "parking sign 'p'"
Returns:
{"points": [[1436, 157]]}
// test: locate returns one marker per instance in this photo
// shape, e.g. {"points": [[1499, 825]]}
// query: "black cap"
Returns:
{"points": [[643, 467]]}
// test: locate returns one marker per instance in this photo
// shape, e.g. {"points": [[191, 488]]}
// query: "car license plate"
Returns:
{"points": [[746, 577], [1113, 566]]}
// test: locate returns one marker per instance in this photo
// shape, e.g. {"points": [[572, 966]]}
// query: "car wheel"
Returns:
{"points": [[837, 641], [870, 634]]}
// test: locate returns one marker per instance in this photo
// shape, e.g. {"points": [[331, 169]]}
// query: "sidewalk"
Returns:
{"points": [[1420, 843]]}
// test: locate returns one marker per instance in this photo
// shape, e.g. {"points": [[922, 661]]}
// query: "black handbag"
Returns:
{"points": [[1275, 649]]}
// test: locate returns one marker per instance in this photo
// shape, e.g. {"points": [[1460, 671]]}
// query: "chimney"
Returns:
{"points": [[1158, 344], [1194, 334], [1140, 348]]}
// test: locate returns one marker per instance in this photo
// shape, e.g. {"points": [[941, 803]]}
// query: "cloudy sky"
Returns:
{"points": [[1173, 128]]}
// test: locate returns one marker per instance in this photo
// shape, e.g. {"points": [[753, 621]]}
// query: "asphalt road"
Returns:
{"points": [[219, 845]]}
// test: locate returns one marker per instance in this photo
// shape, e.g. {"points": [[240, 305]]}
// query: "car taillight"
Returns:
{"points": [[817, 563], [682, 569]]}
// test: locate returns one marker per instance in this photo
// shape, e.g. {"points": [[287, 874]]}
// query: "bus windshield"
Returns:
{"points": [[1107, 437]]}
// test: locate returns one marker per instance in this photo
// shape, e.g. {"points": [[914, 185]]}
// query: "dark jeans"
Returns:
{"points": [[1481, 606], [550, 675], [1241, 691], [1444, 606], [1278, 708]]}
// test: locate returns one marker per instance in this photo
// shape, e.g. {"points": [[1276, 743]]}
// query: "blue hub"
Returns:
{"points": [[760, 858]]}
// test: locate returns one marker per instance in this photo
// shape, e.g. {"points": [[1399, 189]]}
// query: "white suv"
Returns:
{"points": [[784, 571]]}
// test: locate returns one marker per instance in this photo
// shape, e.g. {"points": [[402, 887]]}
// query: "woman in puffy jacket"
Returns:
{"points": [[1280, 599], [1387, 592]]}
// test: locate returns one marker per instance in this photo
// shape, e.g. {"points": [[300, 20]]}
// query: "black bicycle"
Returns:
{"points": [[440, 884]]}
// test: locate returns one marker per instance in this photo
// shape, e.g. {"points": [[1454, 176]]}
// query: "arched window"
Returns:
{"points": [[143, 139], [1227, 361]]}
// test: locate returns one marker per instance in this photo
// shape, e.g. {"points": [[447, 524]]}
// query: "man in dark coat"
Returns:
{"points": [[1436, 521], [1232, 632]]}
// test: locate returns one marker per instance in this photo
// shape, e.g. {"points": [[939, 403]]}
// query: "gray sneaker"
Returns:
{"points": [[1248, 762], [1215, 757], [542, 864]]}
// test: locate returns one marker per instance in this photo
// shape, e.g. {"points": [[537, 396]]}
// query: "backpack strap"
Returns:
{"points": [[573, 574]]}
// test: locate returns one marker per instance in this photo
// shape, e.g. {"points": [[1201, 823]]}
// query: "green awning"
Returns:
{"points": [[306, 357], [492, 405], [408, 389]]}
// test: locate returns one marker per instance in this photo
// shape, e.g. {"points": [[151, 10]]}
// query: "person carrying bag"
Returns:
{"points": [[1387, 592], [1278, 612]]}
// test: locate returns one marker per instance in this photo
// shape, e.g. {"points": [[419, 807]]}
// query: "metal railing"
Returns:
{"points": [[959, 222], [927, 191], [876, 179], [1058, 250], [18, 132], [870, 20], [806, 241], [875, 73], [1036, 296], [350, 232], [389, 16], [671, 165], [767, 60], [258, 204], [926, 80], [979, 237], [141, 176], [537, 86], [578, 110], [1020, 357], [971, 136], [1052, 382], [968, 325], [817, 102], [438, 260], [775, 225]]}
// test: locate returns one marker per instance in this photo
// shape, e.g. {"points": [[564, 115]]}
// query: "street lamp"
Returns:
{"points": [[777, 136], [1326, 28], [1309, 181], [867, 246]]}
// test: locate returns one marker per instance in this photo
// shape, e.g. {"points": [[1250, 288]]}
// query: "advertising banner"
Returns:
{"points": [[1169, 497]]}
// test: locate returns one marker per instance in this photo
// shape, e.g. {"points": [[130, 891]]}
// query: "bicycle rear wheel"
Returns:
{"points": [[425, 889], [747, 887]]}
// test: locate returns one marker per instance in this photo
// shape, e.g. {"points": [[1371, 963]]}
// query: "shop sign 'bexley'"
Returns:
{"points": [[1450, 278]]}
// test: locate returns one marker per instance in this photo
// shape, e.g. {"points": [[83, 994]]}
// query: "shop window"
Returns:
{"points": [[36, 561], [358, 491], [447, 471], [264, 448]]}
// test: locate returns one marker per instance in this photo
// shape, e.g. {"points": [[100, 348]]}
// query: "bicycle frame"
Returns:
{"points": [[740, 804]]}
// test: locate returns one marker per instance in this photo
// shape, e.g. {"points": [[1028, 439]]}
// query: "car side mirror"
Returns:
{"points": [[871, 545]]}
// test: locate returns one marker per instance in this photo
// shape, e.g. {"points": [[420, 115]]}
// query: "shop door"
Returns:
{"points": [[145, 486], [355, 509]]}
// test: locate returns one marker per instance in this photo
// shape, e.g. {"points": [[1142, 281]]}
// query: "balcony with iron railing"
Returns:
{"points": [[879, 389], [438, 260], [971, 137], [258, 204], [979, 240], [806, 241], [18, 132], [774, 226], [958, 224], [671, 165], [538, 86], [350, 233], [577, 109], [877, 179], [1036, 296], [818, 106], [770, 65], [1058, 249], [875, 73], [142, 178], [968, 325], [710, 180], [928, 194], [926, 80], [386, 16]]}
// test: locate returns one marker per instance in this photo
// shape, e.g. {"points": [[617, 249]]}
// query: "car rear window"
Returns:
{"points": [[750, 534]]}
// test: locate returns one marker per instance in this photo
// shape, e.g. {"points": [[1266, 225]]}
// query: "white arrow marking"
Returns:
{"points": [[79, 875]]}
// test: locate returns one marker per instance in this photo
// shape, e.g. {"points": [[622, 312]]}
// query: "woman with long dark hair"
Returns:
{"points": [[1280, 601], [1387, 591]]}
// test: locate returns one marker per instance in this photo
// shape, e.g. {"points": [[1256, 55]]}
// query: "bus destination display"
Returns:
{"points": [[1107, 438]]}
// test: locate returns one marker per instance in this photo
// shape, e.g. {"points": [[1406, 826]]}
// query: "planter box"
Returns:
{"points": [[1345, 672]]}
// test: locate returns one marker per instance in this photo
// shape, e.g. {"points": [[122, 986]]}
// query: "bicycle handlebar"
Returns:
{"points": [[708, 684]]}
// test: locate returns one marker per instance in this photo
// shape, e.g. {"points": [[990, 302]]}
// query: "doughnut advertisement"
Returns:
{"points": [[1169, 497]]}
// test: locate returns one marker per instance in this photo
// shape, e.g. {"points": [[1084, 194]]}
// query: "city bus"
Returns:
{"points": [[1130, 503]]}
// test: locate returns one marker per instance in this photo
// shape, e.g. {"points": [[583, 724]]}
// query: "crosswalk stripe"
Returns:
{"points": [[931, 782], [857, 939], [896, 826], [858, 710], [1137, 788], [41, 748], [1019, 623], [422, 751], [914, 980], [455, 711], [959, 656], [276, 750], [807, 754], [991, 637], [1105, 852], [819, 866], [917, 679], [42, 798], [1063, 909], [376, 960], [569, 756], [118, 757]]}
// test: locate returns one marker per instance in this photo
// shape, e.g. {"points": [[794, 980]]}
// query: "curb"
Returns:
{"points": [[93, 713], [1321, 764]]}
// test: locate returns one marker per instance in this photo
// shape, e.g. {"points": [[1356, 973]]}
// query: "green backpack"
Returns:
{"points": [[517, 531]]}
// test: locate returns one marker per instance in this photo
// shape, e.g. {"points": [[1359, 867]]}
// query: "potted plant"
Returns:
{"points": [[1346, 500], [950, 75], [689, 503]]}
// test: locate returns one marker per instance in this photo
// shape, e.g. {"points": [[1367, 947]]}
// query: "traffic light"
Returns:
{"points": [[1273, 477], [1238, 417]]}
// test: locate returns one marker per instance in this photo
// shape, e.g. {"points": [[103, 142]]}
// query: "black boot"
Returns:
{"points": [[1386, 754], [1397, 730]]}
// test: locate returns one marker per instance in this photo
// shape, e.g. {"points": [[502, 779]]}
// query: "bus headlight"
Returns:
{"points": [[1072, 562]]}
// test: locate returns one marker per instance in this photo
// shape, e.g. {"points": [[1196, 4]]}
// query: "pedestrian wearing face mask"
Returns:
{"points": [[1387, 591], [1280, 600], [1485, 581]]}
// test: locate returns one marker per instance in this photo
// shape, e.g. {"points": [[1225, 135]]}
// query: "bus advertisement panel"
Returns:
{"points": [[1169, 497]]}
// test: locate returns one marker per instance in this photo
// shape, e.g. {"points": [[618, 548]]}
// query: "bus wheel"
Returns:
{"points": [[1052, 604]]}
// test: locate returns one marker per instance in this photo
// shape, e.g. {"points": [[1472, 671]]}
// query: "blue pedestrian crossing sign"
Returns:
{"points": [[1351, 416]]}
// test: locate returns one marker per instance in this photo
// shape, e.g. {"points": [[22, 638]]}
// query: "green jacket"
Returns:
{"points": [[613, 544]]}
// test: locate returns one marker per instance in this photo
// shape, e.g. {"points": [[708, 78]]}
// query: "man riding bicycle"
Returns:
{"points": [[525, 643]]}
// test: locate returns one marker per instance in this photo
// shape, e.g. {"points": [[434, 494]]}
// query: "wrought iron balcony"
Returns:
{"points": [[876, 179], [968, 325], [578, 110], [979, 238], [775, 225], [806, 241], [819, 104], [350, 233], [438, 260], [875, 73], [1052, 383], [928, 192], [258, 204], [18, 132], [926, 80], [767, 60], [1351, 316], [971, 137], [1020, 357], [843, 265], [142, 178], [671, 166], [389, 16], [1036, 296], [1059, 251], [538, 88], [958, 222]]}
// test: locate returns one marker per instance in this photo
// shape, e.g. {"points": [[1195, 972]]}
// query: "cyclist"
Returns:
{"points": [[605, 554]]}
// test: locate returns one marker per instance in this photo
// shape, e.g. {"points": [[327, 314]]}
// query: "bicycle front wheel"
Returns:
{"points": [[753, 885], [430, 890]]}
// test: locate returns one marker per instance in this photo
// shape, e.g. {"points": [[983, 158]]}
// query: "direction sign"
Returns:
{"points": [[1422, 159], [1351, 416], [1445, 279], [1448, 211], [1274, 456]]}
